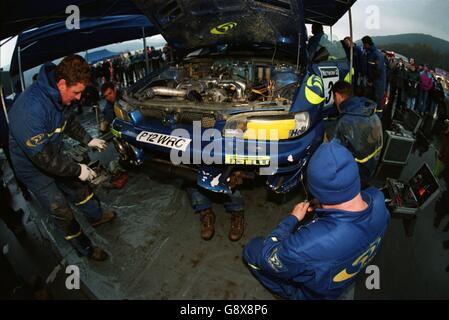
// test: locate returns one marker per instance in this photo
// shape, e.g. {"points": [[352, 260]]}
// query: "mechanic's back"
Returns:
{"points": [[320, 260]]}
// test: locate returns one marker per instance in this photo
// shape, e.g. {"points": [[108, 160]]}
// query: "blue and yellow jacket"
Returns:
{"points": [[359, 129], [376, 70], [321, 259], [37, 122]]}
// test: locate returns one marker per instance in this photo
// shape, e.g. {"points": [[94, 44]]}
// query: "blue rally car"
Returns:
{"points": [[244, 96]]}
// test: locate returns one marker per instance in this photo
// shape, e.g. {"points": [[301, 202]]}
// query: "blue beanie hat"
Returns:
{"points": [[333, 174]]}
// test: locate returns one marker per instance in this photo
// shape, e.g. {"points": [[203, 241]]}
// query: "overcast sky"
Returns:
{"points": [[371, 17], [387, 17]]}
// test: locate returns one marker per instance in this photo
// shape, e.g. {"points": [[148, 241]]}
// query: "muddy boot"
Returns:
{"points": [[207, 224], [83, 245], [98, 254], [107, 216], [237, 226]]}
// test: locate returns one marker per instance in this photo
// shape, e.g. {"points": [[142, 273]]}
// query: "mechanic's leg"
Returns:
{"points": [[235, 206], [82, 196], [252, 255], [379, 97], [53, 201], [201, 204]]}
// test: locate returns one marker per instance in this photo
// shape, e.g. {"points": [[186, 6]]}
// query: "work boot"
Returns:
{"points": [[107, 216], [98, 254], [237, 226], [207, 218], [83, 245]]}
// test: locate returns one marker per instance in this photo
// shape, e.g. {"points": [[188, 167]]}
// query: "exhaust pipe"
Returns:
{"points": [[164, 91]]}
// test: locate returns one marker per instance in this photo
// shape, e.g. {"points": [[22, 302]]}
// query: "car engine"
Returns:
{"points": [[222, 81]]}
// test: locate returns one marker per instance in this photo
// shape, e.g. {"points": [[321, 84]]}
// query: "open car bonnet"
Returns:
{"points": [[189, 24]]}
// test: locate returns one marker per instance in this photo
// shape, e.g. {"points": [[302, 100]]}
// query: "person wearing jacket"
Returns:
{"points": [[359, 129], [111, 95], [313, 44], [425, 85], [412, 82], [38, 120], [398, 79], [321, 260], [436, 95], [359, 64], [376, 72]]}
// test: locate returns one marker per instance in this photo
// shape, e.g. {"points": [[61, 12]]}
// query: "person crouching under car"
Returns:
{"points": [[111, 95]]}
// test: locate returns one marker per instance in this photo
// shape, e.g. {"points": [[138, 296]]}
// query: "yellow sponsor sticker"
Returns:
{"points": [[247, 160], [223, 28], [358, 264], [35, 141]]}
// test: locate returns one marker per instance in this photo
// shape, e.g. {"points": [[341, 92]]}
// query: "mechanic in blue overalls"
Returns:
{"points": [[359, 129], [321, 259], [376, 72], [38, 119], [313, 45], [110, 94]]}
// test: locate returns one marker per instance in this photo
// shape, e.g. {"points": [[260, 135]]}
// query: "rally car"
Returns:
{"points": [[244, 97]]}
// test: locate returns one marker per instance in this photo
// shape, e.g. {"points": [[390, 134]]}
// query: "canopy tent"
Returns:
{"points": [[326, 12], [100, 55], [54, 41], [19, 15]]}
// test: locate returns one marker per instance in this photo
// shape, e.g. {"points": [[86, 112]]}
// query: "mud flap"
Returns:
{"points": [[283, 183], [215, 178]]}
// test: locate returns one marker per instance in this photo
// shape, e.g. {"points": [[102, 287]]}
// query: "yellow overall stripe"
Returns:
{"points": [[85, 200], [68, 238], [58, 130], [369, 157]]}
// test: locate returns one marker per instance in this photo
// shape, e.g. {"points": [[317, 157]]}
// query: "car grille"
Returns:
{"points": [[207, 120]]}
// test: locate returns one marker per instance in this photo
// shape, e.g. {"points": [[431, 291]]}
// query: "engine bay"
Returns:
{"points": [[225, 81]]}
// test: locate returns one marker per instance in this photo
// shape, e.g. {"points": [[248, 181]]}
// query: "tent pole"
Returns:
{"points": [[351, 55], [19, 58], [332, 38], [2, 101], [147, 63]]}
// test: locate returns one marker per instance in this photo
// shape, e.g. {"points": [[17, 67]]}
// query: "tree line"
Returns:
{"points": [[423, 54]]}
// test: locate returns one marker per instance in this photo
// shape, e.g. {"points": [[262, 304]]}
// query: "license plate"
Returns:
{"points": [[163, 140]]}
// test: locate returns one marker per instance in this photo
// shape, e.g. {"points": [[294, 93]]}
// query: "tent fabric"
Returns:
{"points": [[326, 12], [55, 41], [19, 15], [100, 55]]}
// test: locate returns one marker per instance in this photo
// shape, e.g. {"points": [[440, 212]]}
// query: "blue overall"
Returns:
{"points": [[319, 260], [200, 200], [37, 121], [376, 74], [359, 129]]}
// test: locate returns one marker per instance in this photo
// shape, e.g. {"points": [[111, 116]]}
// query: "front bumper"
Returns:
{"points": [[282, 162]]}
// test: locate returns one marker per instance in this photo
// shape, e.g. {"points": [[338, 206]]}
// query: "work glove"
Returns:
{"points": [[98, 144], [87, 174]]}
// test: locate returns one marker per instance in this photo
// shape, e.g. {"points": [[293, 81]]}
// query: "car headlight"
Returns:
{"points": [[270, 126], [121, 113]]}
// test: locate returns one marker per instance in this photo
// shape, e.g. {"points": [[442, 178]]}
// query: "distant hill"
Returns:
{"points": [[424, 48], [414, 38]]}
